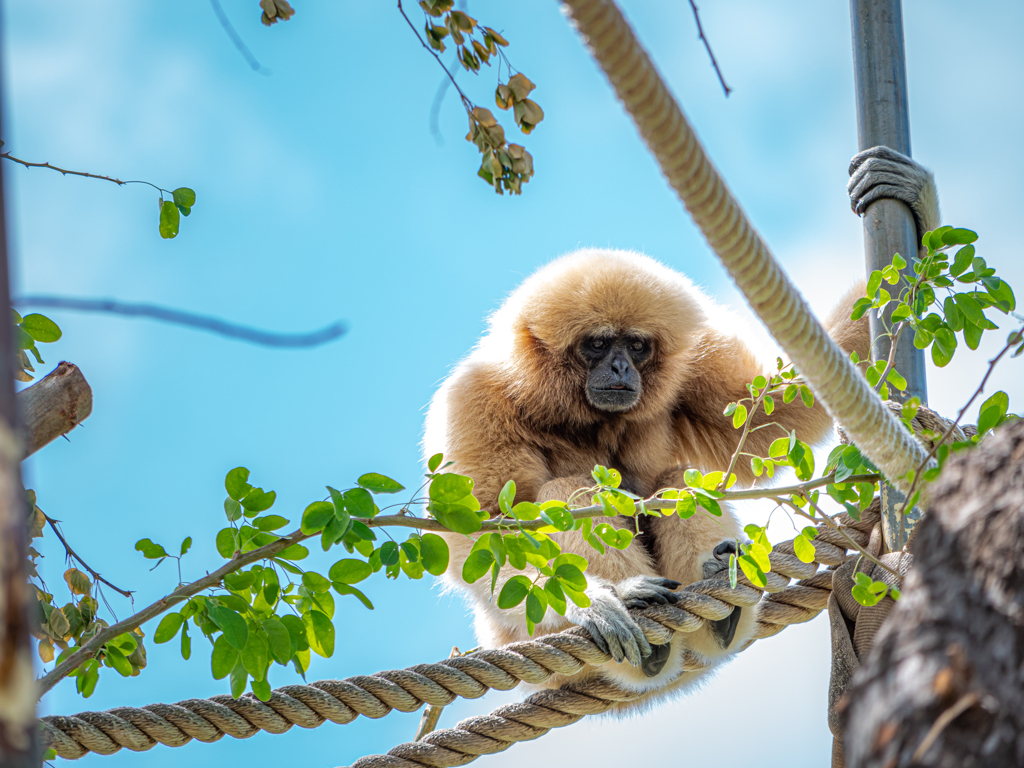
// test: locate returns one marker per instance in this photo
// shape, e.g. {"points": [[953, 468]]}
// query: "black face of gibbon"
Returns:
{"points": [[613, 381]]}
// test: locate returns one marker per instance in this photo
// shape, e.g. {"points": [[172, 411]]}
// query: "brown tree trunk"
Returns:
{"points": [[944, 682]]}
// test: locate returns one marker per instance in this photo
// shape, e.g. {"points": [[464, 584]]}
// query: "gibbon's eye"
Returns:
{"points": [[636, 346], [597, 344]]}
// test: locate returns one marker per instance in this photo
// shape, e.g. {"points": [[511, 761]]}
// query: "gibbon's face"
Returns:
{"points": [[613, 380]]}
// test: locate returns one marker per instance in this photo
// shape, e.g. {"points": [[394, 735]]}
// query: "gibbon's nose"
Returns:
{"points": [[620, 365]]}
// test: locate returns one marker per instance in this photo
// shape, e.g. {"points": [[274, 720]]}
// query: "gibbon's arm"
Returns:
{"points": [[722, 367]]}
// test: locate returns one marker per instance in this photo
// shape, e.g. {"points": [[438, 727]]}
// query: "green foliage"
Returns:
{"points": [[28, 331], [171, 211]]}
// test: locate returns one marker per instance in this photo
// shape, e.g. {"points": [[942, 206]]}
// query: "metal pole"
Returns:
{"points": [[880, 73], [18, 742]]}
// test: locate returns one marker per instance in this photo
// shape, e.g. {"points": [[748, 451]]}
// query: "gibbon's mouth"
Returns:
{"points": [[615, 398]]}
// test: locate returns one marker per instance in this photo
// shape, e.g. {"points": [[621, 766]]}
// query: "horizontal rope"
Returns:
{"points": [[469, 676]]}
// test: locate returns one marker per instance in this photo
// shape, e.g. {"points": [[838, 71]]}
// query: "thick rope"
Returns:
{"points": [[837, 384], [469, 676]]}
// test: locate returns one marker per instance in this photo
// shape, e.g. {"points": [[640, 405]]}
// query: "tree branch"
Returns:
{"points": [[75, 555], [66, 172], [707, 45], [189, 319], [182, 593], [251, 60], [53, 406]]}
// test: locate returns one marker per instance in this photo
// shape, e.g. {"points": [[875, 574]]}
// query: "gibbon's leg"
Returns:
{"points": [[881, 172], [616, 581]]}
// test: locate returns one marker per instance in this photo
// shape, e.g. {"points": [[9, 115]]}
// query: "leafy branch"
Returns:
{"points": [[180, 204]]}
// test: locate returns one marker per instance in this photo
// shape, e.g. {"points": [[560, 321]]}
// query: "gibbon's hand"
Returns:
{"points": [[610, 625], [880, 172], [644, 591], [724, 630]]}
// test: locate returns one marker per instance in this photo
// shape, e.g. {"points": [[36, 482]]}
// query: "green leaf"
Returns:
{"points": [[168, 628], [536, 605], [294, 552], [316, 516], [255, 656], [269, 522], [296, 631], [686, 506], [239, 678], [225, 657], [256, 501], [507, 497], [235, 483], [477, 564], [803, 549], [377, 483], [232, 509], [227, 542], [941, 355], [231, 624], [972, 335], [457, 517], [279, 641], [186, 643], [186, 545], [739, 416], [992, 411], [806, 395], [860, 307], [450, 488], [350, 571], [769, 405], [514, 592], [753, 571], [347, 589], [897, 380], [435, 462], [169, 220], [874, 283], [184, 197], [997, 289], [434, 553], [693, 478], [316, 583], [150, 550], [526, 510], [710, 505], [389, 553], [962, 261], [779, 448], [570, 576], [261, 689], [40, 328], [958, 237], [319, 633], [789, 394], [970, 308]]}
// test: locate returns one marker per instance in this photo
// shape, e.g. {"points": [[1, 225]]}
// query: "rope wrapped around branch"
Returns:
{"points": [[469, 676]]}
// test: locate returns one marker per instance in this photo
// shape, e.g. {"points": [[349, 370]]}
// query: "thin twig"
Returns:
{"points": [[190, 319], [66, 172], [254, 65], [743, 438], [465, 99], [1015, 338], [839, 529], [76, 556], [707, 45], [892, 355]]}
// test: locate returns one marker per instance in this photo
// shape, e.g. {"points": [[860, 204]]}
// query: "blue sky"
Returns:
{"points": [[322, 195]]}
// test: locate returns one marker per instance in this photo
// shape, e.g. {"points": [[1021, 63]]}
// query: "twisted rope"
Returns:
{"points": [[663, 127], [469, 676]]}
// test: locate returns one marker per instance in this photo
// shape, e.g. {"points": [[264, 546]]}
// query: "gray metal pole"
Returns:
{"points": [[880, 72]]}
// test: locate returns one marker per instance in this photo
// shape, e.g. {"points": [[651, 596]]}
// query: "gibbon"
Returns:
{"points": [[609, 357]]}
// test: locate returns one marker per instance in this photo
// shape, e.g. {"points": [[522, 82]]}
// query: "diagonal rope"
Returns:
{"points": [[470, 676], [670, 138]]}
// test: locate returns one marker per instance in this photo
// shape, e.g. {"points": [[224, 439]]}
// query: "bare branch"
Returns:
{"points": [[707, 45], [190, 319], [72, 554], [465, 99], [53, 406], [251, 60], [66, 172]]}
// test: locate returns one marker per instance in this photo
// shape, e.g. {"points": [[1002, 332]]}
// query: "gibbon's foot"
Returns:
{"points": [[645, 591], [656, 662], [724, 630], [611, 627], [880, 173]]}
